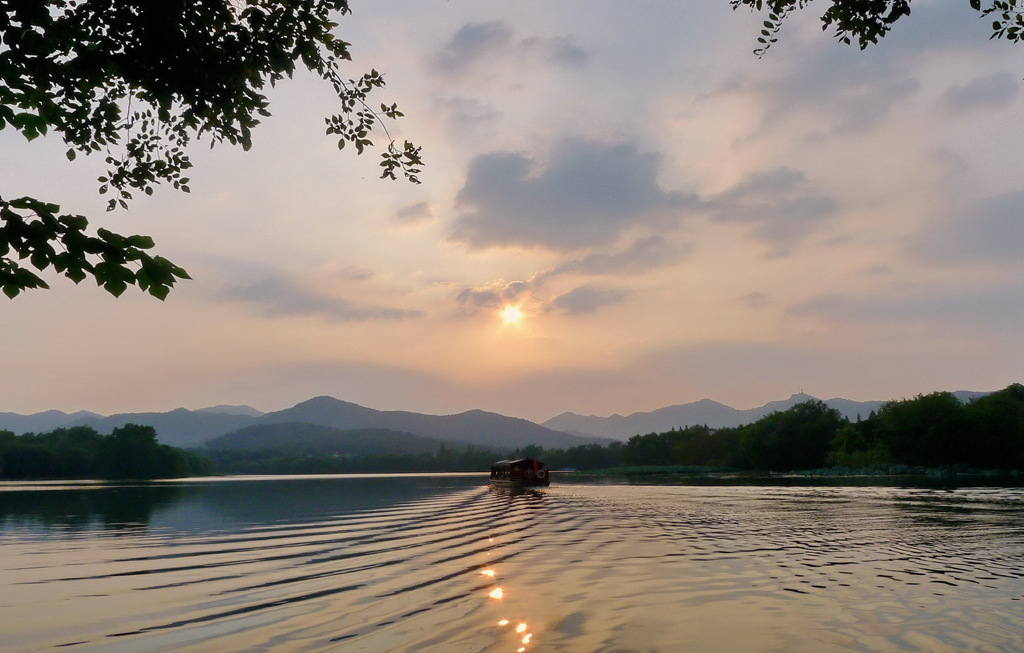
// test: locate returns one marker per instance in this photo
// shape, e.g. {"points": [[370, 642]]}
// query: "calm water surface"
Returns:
{"points": [[443, 563]]}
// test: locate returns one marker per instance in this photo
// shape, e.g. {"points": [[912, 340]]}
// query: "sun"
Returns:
{"points": [[512, 314]]}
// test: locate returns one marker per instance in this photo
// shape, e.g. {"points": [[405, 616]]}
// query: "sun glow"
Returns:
{"points": [[511, 314]]}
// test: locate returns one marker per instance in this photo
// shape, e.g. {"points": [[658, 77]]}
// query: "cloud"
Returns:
{"points": [[356, 273], [471, 43], [988, 231], [558, 50], [587, 299], [516, 289], [462, 113], [755, 300], [981, 307], [643, 255], [474, 44], [780, 205], [578, 301], [835, 89], [994, 91], [829, 90], [281, 297], [473, 300], [415, 213], [587, 195]]}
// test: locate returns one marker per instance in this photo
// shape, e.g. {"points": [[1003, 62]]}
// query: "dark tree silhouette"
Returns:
{"points": [[136, 81], [866, 21]]}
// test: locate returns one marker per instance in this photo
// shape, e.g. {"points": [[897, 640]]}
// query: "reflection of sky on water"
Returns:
{"points": [[227, 504], [197, 505]]}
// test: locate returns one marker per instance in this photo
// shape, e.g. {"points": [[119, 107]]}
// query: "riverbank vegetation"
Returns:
{"points": [[929, 431], [129, 452]]}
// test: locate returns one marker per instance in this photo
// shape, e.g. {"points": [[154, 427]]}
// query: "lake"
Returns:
{"points": [[443, 563]]}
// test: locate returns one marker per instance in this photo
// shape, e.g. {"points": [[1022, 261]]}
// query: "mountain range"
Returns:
{"points": [[193, 428], [705, 411], [236, 425]]}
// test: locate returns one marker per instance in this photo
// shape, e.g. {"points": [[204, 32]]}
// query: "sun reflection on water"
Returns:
{"points": [[523, 638]]}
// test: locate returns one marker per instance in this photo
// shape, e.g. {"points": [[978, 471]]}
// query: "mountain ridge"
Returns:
{"points": [[189, 428], [476, 427], [705, 411]]}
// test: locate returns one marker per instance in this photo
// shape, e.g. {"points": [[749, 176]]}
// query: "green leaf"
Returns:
{"points": [[115, 287], [142, 242], [160, 292]]}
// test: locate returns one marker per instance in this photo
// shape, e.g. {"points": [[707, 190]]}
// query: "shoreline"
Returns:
{"points": [[896, 475]]}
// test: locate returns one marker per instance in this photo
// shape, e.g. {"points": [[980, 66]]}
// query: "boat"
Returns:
{"points": [[523, 472]]}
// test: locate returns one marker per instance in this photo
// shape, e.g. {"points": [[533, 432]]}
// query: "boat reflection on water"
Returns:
{"points": [[514, 491]]}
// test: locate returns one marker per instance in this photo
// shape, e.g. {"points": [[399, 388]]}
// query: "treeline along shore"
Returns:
{"points": [[934, 431], [80, 452], [929, 431]]}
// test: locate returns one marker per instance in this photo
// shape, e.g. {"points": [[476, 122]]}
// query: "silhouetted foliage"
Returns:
{"points": [[137, 81], [928, 430], [129, 452], [132, 451], [798, 438], [995, 425], [934, 430], [866, 21]]}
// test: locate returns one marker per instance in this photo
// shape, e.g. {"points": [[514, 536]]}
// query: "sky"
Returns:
{"points": [[670, 217]]}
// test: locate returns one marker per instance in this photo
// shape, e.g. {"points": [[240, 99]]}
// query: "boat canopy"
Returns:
{"points": [[519, 462]]}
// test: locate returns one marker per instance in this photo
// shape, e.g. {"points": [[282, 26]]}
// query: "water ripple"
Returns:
{"points": [[570, 568]]}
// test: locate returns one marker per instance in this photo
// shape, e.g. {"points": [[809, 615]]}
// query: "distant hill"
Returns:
{"points": [[189, 428], [705, 411], [315, 439], [179, 427], [41, 422], [475, 427], [232, 410], [621, 427]]}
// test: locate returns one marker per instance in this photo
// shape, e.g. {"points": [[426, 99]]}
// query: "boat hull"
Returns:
{"points": [[519, 484]]}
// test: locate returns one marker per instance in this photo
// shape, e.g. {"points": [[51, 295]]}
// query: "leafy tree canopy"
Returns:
{"points": [[137, 81], [866, 21]]}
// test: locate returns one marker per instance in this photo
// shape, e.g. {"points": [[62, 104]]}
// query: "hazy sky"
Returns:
{"points": [[675, 219]]}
